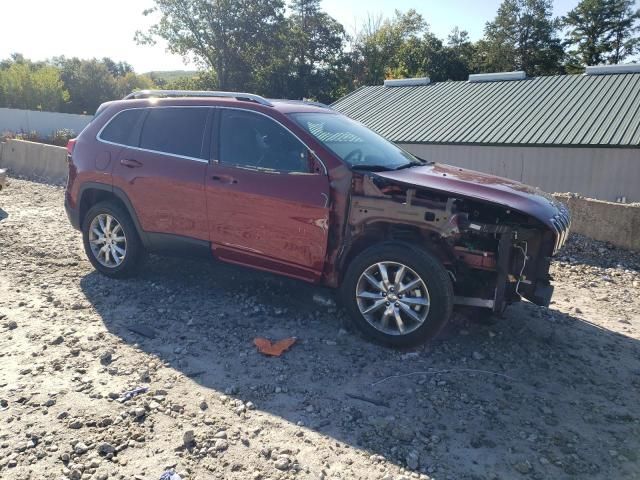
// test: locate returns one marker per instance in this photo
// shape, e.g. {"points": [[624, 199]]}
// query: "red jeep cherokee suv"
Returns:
{"points": [[298, 189]]}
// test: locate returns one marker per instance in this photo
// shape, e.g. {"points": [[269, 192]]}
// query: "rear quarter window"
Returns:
{"points": [[177, 131], [121, 129]]}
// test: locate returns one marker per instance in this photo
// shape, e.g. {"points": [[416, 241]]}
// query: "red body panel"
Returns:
{"points": [[281, 218], [480, 186], [167, 192], [92, 163]]}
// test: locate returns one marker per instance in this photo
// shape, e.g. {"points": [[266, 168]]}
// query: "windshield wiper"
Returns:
{"points": [[407, 165], [384, 168], [371, 168]]}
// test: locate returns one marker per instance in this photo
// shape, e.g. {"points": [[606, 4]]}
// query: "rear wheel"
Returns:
{"points": [[398, 294], [111, 241]]}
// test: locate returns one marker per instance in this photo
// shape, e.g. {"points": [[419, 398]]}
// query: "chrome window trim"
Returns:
{"points": [[324, 167], [184, 157]]}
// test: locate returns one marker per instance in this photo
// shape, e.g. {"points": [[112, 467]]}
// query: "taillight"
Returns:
{"points": [[70, 145]]}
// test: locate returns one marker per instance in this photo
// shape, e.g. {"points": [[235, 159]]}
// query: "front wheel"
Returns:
{"points": [[397, 294]]}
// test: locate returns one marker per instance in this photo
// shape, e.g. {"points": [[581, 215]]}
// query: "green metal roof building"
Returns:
{"points": [[567, 133]]}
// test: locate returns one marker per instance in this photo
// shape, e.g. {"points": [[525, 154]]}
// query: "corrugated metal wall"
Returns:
{"points": [[602, 173]]}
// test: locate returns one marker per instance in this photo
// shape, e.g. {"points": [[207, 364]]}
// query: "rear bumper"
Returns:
{"points": [[72, 213]]}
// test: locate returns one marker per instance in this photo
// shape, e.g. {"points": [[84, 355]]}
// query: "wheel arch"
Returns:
{"points": [[390, 233], [92, 193]]}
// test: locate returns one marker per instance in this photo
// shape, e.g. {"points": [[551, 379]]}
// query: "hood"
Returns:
{"points": [[481, 186]]}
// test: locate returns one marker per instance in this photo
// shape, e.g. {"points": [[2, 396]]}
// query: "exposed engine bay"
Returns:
{"points": [[495, 254]]}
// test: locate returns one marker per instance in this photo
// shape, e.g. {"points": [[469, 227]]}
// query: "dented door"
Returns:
{"points": [[273, 221]]}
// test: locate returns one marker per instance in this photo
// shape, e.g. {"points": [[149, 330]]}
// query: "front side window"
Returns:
{"points": [[354, 143], [121, 129], [175, 130], [248, 139]]}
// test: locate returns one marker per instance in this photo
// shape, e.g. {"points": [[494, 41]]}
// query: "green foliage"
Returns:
{"points": [[601, 31], [261, 46], [66, 85], [61, 137], [523, 36], [31, 86], [162, 78], [240, 40], [317, 50], [388, 47], [90, 83], [31, 136]]}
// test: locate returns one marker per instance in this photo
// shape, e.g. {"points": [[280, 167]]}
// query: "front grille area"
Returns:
{"points": [[562, 223]]}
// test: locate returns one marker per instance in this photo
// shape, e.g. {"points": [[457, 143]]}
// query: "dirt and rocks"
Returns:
{"points": [[541, 393]]}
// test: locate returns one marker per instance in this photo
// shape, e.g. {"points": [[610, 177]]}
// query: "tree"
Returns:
{"points": [[462, 55], [523, 36], [601, 31], [589, 31], [130, 82], [381, 45], [624, 29], [30, 86], [317, 47], [243, 41], [49, 93], [426, 56], [89, 82], [117, 69]]}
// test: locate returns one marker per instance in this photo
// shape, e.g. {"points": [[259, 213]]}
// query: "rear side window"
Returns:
{"points": [[122, 128], [177, 131]]}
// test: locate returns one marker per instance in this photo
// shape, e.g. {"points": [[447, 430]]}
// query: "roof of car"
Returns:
{"points": [[280, 105]]}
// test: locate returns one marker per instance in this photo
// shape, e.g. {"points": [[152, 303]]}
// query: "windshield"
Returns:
{"points": [[354, 143]]}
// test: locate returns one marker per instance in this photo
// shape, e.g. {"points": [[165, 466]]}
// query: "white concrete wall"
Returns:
{"points": [[602, 173], [36, 160], [44, 123], [610, 222]]}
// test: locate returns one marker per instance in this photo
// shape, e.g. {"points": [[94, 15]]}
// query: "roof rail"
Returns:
{"points": [[613, 69], [497, 77], [302, 102], [202, 93]]}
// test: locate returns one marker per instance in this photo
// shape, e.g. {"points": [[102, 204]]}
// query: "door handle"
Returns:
{"points": [[128, 162], [224, 179]]}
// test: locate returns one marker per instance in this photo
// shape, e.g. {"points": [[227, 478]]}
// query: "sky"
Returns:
{"points": [[98, 28]]}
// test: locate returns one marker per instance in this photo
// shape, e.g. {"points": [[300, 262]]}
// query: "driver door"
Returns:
{"points": [[267, 208]]}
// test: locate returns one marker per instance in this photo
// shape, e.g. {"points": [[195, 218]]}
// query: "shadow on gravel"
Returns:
{"points": [[3, 214], [539, 393]]}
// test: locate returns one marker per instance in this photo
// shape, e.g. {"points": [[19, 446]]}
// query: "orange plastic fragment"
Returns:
{"points": [[276, 349]]}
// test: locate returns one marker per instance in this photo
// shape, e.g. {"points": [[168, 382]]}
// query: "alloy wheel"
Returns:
{"points": [[393, 298], [107, 240]]}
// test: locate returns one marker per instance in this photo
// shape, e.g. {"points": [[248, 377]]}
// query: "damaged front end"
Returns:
{"points": [[495, 237]]}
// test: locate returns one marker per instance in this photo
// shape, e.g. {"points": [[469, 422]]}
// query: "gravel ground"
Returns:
{"points": [[540, 393]]}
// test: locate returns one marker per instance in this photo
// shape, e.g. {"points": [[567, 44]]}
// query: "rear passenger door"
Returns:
{"points": [[163, 174]]}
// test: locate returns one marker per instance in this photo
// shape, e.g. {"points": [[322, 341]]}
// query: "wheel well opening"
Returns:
{"points": [[384, 232], [92, 196]]}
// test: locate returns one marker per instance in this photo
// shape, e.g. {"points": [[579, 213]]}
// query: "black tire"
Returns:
{"points": [[135, 252], [426, 266]]}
